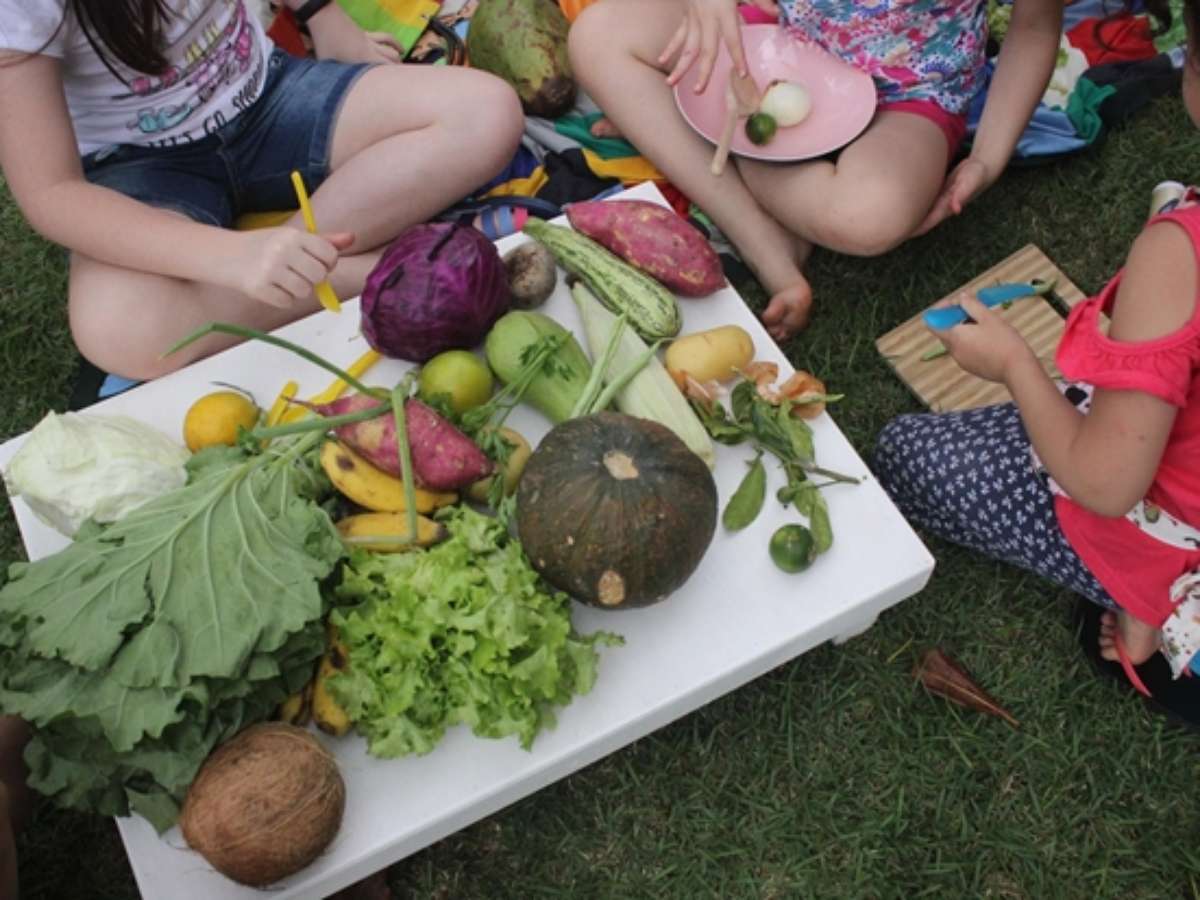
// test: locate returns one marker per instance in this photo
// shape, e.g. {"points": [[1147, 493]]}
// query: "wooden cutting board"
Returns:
{"points": [[939, 383]]}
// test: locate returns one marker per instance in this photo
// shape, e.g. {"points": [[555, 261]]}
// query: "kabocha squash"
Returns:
{"points": [[614, 510]]}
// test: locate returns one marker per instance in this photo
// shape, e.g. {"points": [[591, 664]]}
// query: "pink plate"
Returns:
{"points": [[843, 97]]}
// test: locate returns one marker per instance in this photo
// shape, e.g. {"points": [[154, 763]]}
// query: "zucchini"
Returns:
{"points": [[651, 393], [650, 308], [553, 391]]}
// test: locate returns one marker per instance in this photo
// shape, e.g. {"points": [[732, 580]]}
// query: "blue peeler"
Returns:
{"points": [[996, 295]]}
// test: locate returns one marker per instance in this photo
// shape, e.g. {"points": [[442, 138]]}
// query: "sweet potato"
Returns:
{"points": [[654, 239], [444, 459]]}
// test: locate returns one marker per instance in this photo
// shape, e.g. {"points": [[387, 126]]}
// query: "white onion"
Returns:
{"points": [[787, 102]]}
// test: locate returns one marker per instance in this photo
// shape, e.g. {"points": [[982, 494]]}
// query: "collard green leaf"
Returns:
{"points": [[189, 585], [139, 647]]}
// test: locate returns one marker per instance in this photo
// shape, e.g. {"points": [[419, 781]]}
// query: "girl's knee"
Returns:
{"points": [[594, 33], [593, 24], [109, 334], [488, 123], [496, 106], [865, 223]]}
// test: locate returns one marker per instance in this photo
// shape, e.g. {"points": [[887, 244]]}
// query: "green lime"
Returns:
{"points": [[793, 548], [460, 375], [760, 128]]}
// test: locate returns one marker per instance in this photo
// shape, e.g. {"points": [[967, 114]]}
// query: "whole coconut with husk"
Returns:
{"points": [[525, 43], [265, 804], [615, 510]]}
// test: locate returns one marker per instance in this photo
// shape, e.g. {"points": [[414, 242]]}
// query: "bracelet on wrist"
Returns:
{"points": [[308, 9]]}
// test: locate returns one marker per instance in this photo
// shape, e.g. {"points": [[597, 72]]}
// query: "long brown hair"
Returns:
{"points": [[127, 30]]}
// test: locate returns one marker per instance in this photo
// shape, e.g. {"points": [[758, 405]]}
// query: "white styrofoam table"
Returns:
{"points": [[735, 619]]}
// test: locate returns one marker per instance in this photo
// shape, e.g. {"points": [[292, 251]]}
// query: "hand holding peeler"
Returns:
{"points": [[943, 317]]}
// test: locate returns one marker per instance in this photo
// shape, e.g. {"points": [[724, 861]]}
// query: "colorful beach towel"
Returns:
{"points": [[1110, 65]]}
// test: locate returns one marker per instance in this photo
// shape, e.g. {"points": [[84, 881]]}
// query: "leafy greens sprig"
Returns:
{"points": [[772, 428]]}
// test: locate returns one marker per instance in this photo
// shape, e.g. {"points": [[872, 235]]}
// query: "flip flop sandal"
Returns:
{"points": [[501, 221], [1176, 698]]}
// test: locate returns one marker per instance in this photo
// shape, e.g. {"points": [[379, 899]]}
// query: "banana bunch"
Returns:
{"points": [[387, 532], [371, 488], [383, 528], [314, 699], [327, 712]]}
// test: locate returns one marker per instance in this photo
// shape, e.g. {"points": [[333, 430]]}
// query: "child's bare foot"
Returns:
{"points": [[604, 128], [1140, 640], [788, 310]]}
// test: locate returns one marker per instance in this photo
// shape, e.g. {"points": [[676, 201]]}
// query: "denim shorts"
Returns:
{"points": [[245, 165]]}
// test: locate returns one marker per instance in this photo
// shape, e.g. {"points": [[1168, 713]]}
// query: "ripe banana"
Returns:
{"points": [[327, 712], [297, 708], [387, 532], [361, 482]]}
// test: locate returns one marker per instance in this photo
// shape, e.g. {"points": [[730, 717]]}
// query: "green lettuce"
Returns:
{"points": [[143, 644], [465, 632]]}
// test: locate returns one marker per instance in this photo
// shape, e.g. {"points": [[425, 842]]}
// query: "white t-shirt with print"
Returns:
{"points": [[216, 54]]}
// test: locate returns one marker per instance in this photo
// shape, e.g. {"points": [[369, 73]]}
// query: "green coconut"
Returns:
{"points": [[525, 43]]}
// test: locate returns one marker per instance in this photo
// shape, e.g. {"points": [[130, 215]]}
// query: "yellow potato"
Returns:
{"points": [[710, 355]]}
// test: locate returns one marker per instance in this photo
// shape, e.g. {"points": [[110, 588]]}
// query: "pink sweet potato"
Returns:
{"points": [[443, 458], [654, 239]]}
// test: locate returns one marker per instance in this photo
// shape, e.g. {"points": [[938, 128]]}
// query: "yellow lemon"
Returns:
{"points": [[215, 419]]}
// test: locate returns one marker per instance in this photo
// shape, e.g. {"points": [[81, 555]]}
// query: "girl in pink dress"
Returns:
{"points": [[926, 58], [1093, 482]]}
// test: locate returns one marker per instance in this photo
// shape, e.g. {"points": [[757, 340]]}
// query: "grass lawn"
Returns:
{"points": [[833, 776]]}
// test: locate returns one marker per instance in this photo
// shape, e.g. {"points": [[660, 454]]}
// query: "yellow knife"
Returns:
{"points": [[324, 290]]}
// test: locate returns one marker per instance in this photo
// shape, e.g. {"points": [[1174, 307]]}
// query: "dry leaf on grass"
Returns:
{"points": [[941, 674]]}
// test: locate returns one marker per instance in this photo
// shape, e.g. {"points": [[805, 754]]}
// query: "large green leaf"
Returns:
{"points": [[189, 585], [141, 646]]}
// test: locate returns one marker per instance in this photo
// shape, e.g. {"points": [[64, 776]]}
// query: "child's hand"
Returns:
{"points": [[989, 347], [705, 22], [368, 47], [965, 181], [280, 266]]}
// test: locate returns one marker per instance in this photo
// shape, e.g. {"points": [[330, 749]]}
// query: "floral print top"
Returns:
{"points": [[914, 49]]}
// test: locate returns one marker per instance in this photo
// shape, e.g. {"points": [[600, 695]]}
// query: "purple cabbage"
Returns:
{"points": [[437, 287]]}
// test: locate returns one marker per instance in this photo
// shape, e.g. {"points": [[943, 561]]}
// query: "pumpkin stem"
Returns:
{"points": [[620, 465]]}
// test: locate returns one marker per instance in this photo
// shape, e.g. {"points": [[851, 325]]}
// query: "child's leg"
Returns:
{"points": [[614, 52], [408, 142], [14, 798], [868, 201], [967, 478], [122, 320]]}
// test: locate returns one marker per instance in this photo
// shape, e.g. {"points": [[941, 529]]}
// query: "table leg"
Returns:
{"points": [[854, 629]]}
